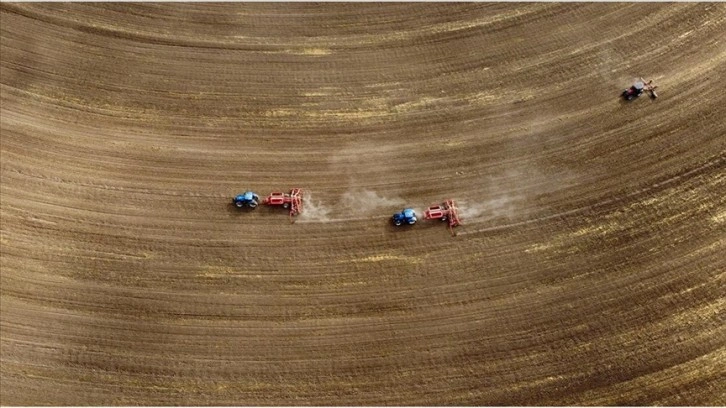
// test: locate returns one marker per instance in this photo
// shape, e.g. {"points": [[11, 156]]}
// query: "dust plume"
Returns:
{"points": [[366, 201], [503, 206], [314, 210]]}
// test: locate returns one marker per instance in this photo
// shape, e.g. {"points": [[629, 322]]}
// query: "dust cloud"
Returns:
{"points": [[504, 206], [367, 202], [315, 210]]}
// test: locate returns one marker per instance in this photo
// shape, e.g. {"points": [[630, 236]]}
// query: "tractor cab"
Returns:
{"points": [[638, 88], [247, 199], [407, 216]]}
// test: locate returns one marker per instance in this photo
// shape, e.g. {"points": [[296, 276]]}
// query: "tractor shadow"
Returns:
{"points": [[392, 228], [624, 102], [235, 211], [639, 99], [420, 225], [261, 211]]}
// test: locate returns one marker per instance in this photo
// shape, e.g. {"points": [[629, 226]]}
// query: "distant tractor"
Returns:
{"points": [[638, 88], [247, 199], [446, 211], [407, 216], [292, 201]]}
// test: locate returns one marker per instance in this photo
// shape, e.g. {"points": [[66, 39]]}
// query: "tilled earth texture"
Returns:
{"points": [[589, 268]]}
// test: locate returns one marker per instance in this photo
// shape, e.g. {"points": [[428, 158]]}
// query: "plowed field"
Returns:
{"points": [[589, 269]]}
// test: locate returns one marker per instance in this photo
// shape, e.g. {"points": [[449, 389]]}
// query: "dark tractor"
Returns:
{"points": [[638, 88]]}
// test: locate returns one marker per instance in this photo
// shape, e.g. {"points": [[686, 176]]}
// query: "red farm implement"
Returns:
{"points": [[446, 211], [292, 201]]}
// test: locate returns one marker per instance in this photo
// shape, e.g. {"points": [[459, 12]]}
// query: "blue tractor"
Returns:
{"points": [[407, 216], [248, 199]]}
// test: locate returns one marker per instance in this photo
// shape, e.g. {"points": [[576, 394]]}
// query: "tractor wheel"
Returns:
{"points": [[286, 205], [398, 223], [252, 204], [239, 204]]}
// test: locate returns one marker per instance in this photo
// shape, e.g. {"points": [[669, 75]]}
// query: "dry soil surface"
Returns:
{"points": [[589, 269]]}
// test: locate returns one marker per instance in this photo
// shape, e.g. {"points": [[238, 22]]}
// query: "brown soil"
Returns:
{"points": [[589, 269]]}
